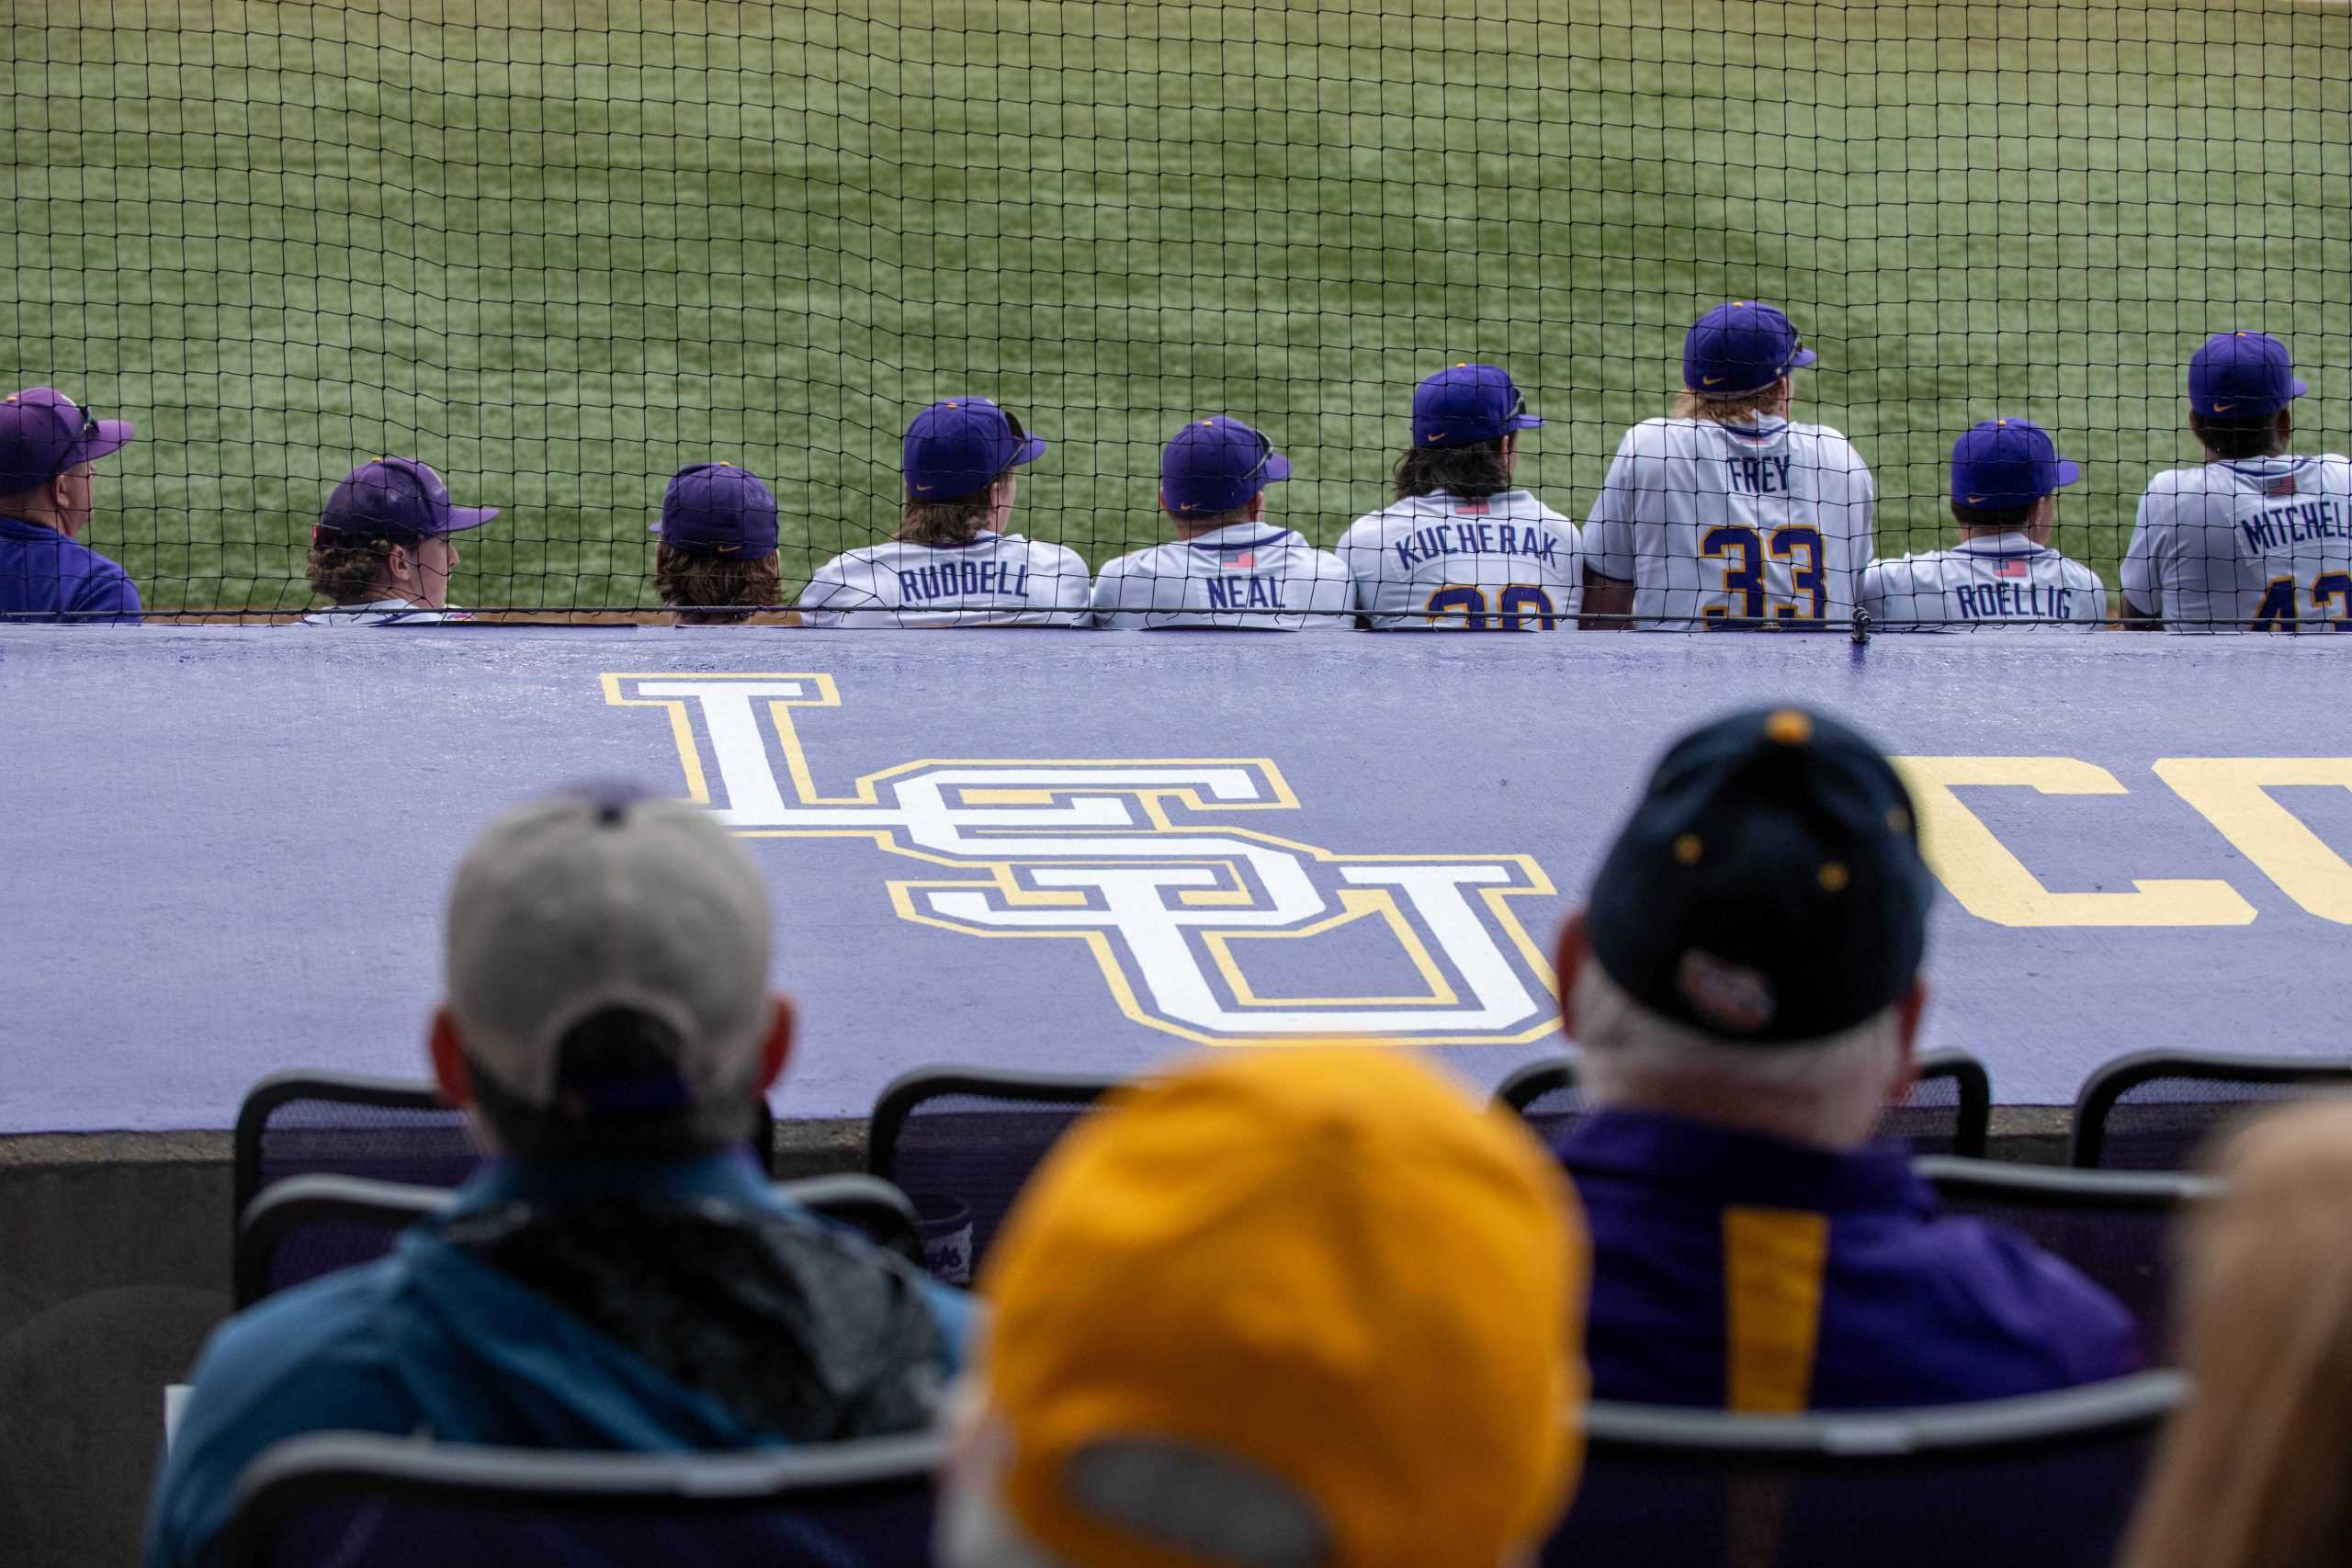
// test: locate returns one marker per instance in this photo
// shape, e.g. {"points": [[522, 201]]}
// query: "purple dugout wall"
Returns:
{"points": [[1080, 851]]}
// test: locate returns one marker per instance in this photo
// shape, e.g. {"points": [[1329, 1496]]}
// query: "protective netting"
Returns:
{"points": [[560, 251]]}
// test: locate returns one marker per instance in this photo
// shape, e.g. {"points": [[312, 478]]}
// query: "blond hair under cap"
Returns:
{"points": [[1289, 1307]]}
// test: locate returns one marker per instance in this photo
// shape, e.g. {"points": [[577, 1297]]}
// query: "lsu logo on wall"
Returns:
{"points": [[1202, 925]]}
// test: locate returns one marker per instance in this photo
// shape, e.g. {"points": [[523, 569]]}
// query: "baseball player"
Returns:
{"points": [[1726, 516], [1228, 567], [49, 451], [716, 561], [2253, 538], [2006, 475], [1461, 548], [383, 550], [953, 564]]}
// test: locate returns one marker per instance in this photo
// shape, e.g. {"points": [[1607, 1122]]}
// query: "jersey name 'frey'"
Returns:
{"points": [[996, 579], [2264, 545], [1734, 527], [1999, 577], [1503, 562], [1248, 575]]}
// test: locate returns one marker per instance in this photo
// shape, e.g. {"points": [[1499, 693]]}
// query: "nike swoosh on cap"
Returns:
{"points": [[1711, 380], [1976, 501], [2224, 408]]}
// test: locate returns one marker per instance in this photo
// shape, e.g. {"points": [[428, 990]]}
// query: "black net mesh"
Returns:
{"points": [[2166, 1123], [561, 253]]}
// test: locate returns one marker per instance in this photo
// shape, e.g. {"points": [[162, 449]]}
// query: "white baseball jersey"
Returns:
{"points": [[1998, 577], [2264, 546], [381, 612], [1503, 562], [996, 579], [1734, 527], [1248, 575]]}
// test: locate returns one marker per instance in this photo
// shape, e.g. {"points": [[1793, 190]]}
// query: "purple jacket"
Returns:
{"points": [[1736, 1271]]}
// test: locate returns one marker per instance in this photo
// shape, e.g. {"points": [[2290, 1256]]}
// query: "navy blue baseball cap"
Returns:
{"points": [[398, 498], [43, 432], [1739, 348], [1217, 465], [1769, 888], [2242, 376], [717, 509], [2008, 462], [1467, 404], [961, 447]]}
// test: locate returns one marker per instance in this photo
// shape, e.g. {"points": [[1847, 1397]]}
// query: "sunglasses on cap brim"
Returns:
{"points": [[89, 432]]}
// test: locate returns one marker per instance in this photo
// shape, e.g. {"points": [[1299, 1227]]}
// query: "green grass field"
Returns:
{"points": [[558, 250]]}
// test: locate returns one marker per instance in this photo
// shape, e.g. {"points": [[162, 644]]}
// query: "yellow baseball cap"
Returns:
{"points": [[1328, 1273]]}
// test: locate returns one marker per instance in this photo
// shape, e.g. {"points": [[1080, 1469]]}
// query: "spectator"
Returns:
{"points": [[2256, 1469], [1228, 568], [1288, 1307], [1744, 988], [622, 1276], [48, 451], [716, 561], [383, 550], [952, 562]]}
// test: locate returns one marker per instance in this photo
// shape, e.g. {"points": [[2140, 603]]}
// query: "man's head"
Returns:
{"points": [[1750, 953], [607, 964], [388, 533], [49, 449], [1738, 363], [2006, 475], [2240, 384], [1215, 472], [1285, 1308], [1466, 420], [958, 461], [717, 553]]}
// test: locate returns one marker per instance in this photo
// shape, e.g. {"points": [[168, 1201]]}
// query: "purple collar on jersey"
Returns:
{"points": [[2001, 552], [1205, 542], [985, 537]]}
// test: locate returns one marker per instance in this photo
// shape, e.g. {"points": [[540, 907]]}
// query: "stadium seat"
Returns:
{"points": [[972, 1137], [1948, 1111], [379, 1502], [2114, 1226], [308, 1225], [2048, 1480], [379, 1129], [2152, 1110]]}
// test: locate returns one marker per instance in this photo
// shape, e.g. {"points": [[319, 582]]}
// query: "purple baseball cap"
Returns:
{"points": [[2008, 462], [1217, 465], [1467, 404], [43, 432], [1739, 348], [717, 509], [2242, 376], [398, 498], [961, 447]]}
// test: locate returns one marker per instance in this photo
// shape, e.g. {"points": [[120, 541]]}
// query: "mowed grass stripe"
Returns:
{"points": [[560, 251]]}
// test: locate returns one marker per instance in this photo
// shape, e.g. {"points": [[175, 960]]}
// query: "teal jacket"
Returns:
{"points": [[435, 1341]]}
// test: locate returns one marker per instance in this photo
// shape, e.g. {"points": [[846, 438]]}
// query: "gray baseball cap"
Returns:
{"points": [[597, 901]]}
